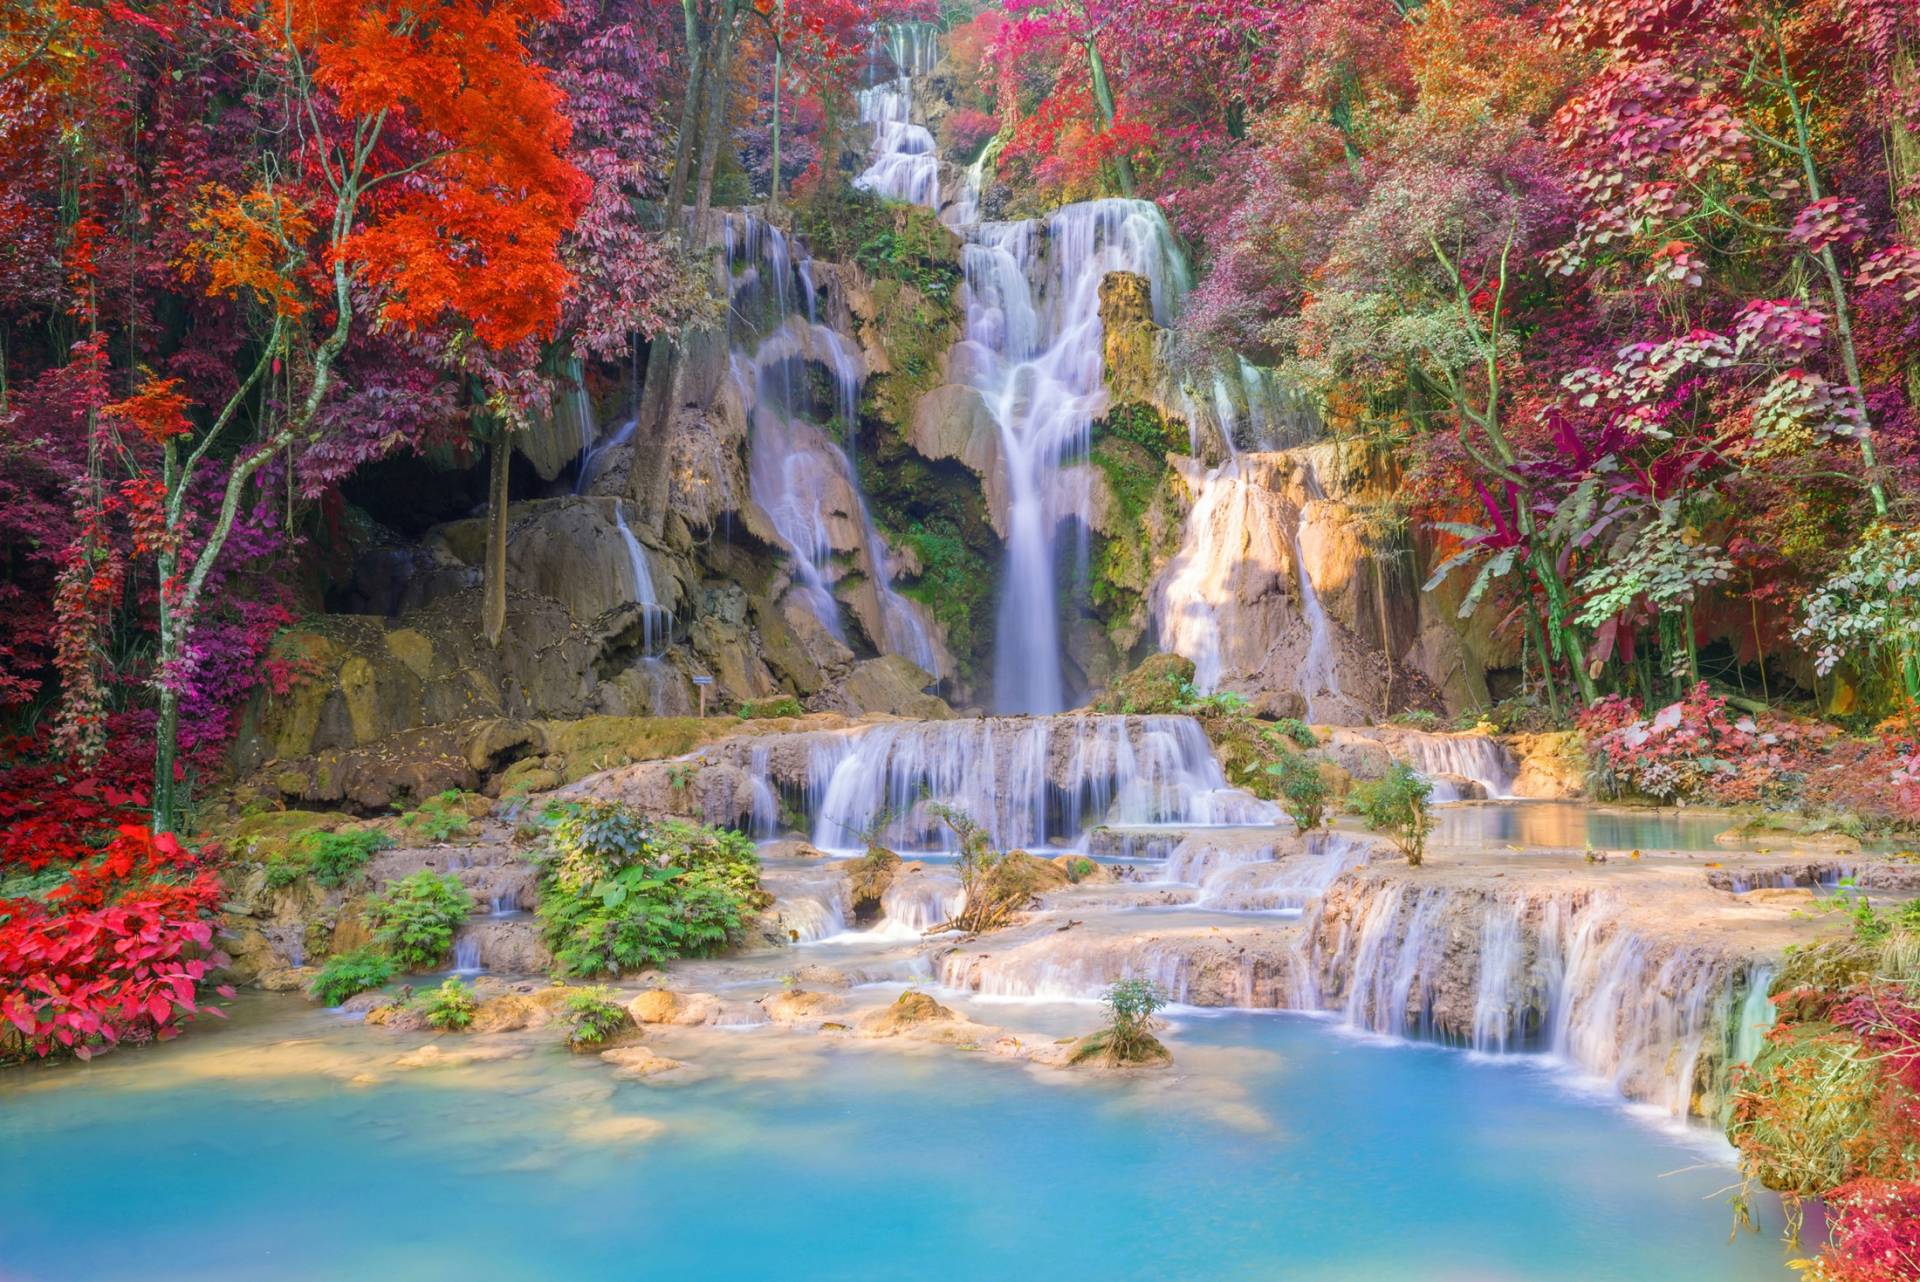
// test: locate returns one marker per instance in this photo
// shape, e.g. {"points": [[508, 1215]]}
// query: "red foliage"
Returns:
{"points": [[118, 953], [1874, 1232]]}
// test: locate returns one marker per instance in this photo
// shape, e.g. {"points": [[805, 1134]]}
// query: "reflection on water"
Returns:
{"points": [[1278, 1148], [1570, 824]]}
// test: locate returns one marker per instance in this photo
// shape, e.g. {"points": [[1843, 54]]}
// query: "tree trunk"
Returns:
{"points": [[494, 603], [166, 751], [1103, 98], [686, 145], [719, 88], [773, 178]]}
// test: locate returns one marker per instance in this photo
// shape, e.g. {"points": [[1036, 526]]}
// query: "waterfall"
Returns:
{"points": [[1237, 524], [813, 908], [805, 482], [1502, 953], [1478, 757], [594, 461], [466, 952], [1755, 1016], [1034, 352], [904, 164], [1279, 885], [763, 820], [652, 614], [915, 903], [1317, 676], [1028, 782]]}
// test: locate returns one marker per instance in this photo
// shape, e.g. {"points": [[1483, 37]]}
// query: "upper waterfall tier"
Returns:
{"points": [[1033, 350], [805, 483]]}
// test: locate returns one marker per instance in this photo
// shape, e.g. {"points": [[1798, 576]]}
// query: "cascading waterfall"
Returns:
{"points": [[594, 460], [805, 482], [1029, 782], [1483, 759], [1502, 955], [905, 165], [1033, 349], [1755, 1016], [1317, 675], [655, 622]]}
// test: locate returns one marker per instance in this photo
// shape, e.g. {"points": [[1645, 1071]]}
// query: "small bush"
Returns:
{"points": [[1079, 869], [439, 817], [345, 974], [336, 858], [1417, 719], [450, 1007], [1301, 790], [595, 1018], [1128, 1037], [765, 709], [1396, 804], [1295, 731], [621, 893], [415, 919]]}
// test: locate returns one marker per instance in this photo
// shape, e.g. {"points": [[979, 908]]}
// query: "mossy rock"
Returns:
{"points": [[1154, 688], [1101, 1051]]}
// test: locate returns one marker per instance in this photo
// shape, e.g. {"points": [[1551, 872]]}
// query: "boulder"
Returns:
{"points": [[891, 685], [910, 1010], [795, 1005], [1553, 766], [640, 1062], [664, 1006]]}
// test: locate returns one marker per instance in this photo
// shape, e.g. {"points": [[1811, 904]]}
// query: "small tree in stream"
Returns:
{"points": [[1396, 804]]}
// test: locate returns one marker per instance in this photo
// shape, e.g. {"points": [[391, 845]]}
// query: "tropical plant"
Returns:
{"points": [[994, 884], [450, 1007], [594, 1018], [345, 974], [1871, 609], [1301, 789], [1128, 1036], [620, 893], [335, 858], [1396, 804], [414, 920]]}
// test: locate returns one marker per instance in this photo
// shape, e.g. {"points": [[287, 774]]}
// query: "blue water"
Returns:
{"points": [[1283, 1149]]}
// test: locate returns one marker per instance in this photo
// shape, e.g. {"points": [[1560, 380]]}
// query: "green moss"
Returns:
{"points": [[1145, 426], [955, 582]]}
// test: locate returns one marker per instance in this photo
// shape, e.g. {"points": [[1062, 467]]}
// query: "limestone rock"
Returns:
{"points": [[794, 1005], [640, 1062], [1553, 766], [664, 1006], [890, 685], [911, 1010]]}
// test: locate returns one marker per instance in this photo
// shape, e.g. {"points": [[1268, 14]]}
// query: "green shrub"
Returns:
{"points": [[1295, 731], [1079, 869], [594, 1018], [620, 893], [1396, 804], [415, 919], [439, 817], [345, 974], [283, 871], [784, 705], [1128, 1037], [336, 858], [451, 1006], [1301, 790], [1417, 719]]}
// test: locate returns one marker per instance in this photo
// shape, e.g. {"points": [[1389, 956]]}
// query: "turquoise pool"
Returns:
{"points": [[1278, 1148]]}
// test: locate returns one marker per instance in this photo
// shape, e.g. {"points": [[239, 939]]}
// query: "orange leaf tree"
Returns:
{"points": [[424, 183]]}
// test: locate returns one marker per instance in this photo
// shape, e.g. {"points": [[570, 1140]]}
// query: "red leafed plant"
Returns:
{"points": [[1874, 1233], [118, 953]]}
